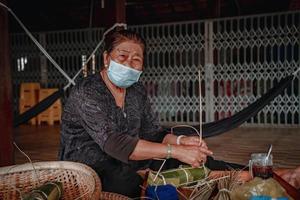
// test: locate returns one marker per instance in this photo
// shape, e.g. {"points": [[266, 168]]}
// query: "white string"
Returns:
{"points": [[96, 48], [71, 81], [225, 190], [57, 187], [176, 169], [35, 172], [163, 178], [199, 184], [189, 182], [182, 184], [205, 182], [40, 192], [188, 126], [39, 45], [160, 168], [186, 174], [37, 177], [200, 107]]}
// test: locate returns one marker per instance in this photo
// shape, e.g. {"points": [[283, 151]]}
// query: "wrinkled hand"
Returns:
{"points": [[192, 155], [292, 177], [193, 141]]}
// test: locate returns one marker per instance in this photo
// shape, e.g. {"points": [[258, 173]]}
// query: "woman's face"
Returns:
{"points": [[128, 53]]}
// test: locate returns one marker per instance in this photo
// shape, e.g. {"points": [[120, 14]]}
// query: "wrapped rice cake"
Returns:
{"points": [[181, 176], [48, 191]]}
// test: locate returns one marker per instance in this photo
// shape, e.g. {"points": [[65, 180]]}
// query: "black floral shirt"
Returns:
{"points": [[94, 129]]}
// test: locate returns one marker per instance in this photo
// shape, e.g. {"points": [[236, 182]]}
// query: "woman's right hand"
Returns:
{"points": [[192, 155]]}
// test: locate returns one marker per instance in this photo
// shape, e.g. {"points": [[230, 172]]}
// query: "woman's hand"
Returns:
{"points": [[193, 141], [185, 140], [191, 149], [192, 155]]}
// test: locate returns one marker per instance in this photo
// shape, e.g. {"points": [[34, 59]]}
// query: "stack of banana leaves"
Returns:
{"points": [[182, 176], [48, 191]]}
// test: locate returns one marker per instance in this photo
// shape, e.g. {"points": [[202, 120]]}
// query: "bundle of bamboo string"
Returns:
{"points": [[216, 186]]}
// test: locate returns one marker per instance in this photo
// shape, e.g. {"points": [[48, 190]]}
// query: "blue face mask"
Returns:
{"points": [[121, 75]]}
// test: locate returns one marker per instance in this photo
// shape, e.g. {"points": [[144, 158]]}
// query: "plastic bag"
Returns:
{"points": [[257, 187]]}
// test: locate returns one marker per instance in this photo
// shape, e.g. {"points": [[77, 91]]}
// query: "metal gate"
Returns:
{"points": [[239, 59]]}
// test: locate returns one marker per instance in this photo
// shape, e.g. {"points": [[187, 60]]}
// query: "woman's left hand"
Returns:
{"points": [[193, 141]]}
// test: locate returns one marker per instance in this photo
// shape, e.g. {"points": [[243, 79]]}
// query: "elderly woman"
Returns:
{"points": [[108, 124]]}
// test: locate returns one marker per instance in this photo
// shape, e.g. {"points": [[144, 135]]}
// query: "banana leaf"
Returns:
{"points": [[48, 191], [182, 176]]}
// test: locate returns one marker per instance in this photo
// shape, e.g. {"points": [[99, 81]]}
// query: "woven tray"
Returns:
{"points": [[79, 180]]}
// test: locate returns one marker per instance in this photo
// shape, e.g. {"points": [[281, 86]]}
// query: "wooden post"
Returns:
{"points": [[110, 12], [214, 7], [6, 130], [120, 11]]}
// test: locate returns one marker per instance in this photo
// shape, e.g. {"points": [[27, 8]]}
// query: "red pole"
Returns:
{"points": [[6, 117], [110, 12]]}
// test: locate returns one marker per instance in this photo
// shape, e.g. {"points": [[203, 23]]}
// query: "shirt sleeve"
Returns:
{"points": [[151, 129], [98, 121]]}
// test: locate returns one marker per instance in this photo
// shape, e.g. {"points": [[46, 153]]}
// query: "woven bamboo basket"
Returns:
{"points": [[79, 181]]}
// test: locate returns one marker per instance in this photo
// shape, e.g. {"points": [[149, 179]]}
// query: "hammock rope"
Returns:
{"points": [[41, 48], [96, 48], [47, 102]]}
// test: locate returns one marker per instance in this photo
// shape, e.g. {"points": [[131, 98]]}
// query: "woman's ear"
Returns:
{"points": [[106, 59]]}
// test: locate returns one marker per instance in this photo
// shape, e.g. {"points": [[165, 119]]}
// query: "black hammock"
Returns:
{"points": [[38, 108], [208, 129]]}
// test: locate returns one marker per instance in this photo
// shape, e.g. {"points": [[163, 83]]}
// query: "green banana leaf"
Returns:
{"points": [[48, 191], [182, 176]]}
